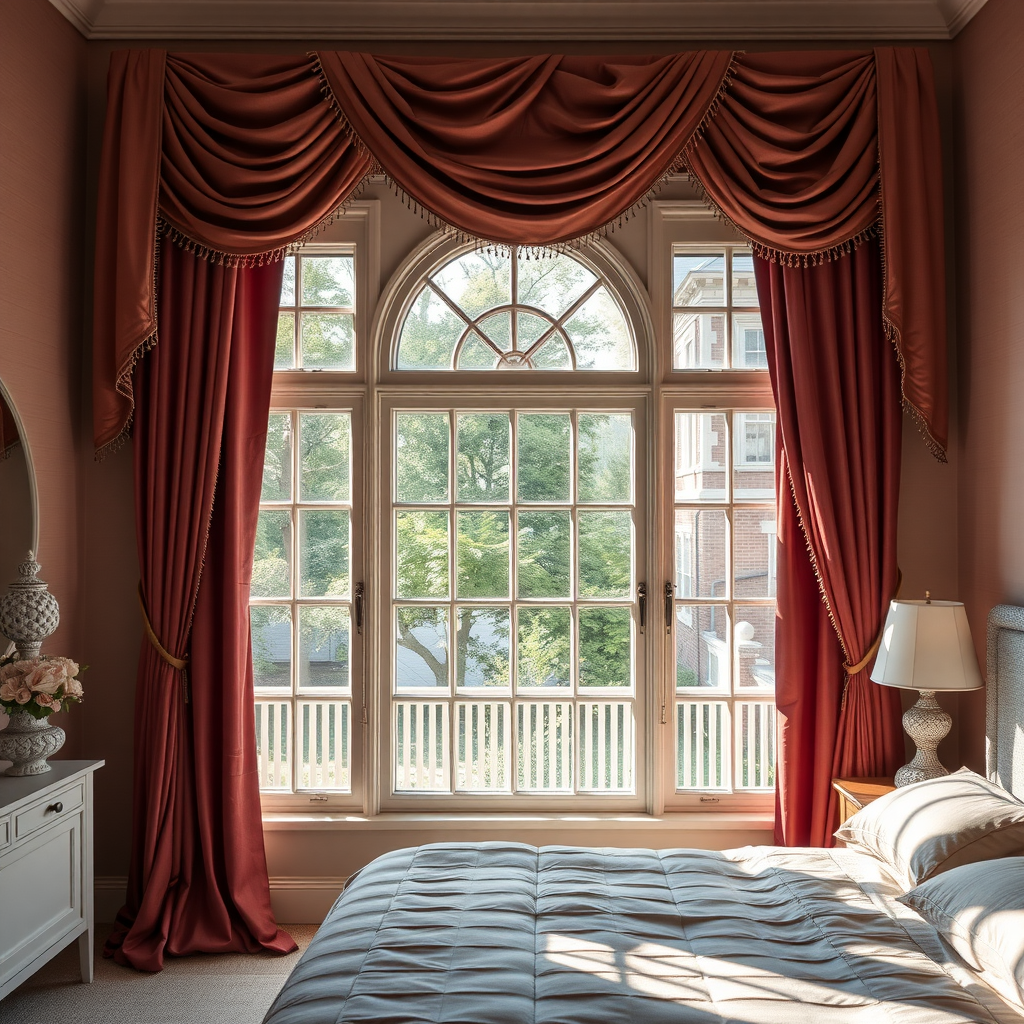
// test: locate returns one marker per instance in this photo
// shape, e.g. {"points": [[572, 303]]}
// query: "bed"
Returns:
{"points": [[504, 933]]}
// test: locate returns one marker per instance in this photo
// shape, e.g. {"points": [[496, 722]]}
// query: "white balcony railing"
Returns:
{"points": [[606, 737], [483, 739], [273, 744], [755, 741], [325, 743], [422, 743]]}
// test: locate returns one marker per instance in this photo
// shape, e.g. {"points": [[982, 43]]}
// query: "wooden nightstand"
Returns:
{"points": [[857, 793]]}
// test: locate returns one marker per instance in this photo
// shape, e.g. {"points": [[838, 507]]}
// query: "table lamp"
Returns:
{"points": [[926, 646]]}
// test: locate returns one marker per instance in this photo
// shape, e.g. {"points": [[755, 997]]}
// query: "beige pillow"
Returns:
{"points": [[979, 910], [933, 826]]}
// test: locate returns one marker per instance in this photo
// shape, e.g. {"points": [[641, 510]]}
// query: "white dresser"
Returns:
{"points": [[46, 873]]}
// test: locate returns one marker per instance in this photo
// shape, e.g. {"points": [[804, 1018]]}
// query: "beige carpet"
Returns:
{"points": [[224, 989]]}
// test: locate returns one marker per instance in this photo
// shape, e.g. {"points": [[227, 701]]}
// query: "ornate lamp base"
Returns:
{"points": [[927, 725]]}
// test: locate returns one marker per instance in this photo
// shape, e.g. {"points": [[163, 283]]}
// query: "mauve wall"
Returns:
{"points": [[989, 146], [42, 197]]}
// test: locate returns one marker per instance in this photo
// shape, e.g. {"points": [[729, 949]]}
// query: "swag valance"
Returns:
{"points": [[238, 157]]}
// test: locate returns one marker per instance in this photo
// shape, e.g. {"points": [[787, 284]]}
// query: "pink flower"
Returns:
{"points": [[48, 676], [44, 700], [16, 670], [24, 694], [8, 689], [73, 688]]}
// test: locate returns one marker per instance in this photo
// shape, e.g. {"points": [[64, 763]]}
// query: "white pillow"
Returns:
{"points": [[979, 910], [932, 826]]}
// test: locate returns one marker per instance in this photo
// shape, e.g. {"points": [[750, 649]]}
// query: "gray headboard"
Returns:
{"points": [[1004, 731]]}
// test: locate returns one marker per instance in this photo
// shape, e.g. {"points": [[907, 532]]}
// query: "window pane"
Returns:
{"points": [[477, 281], [698, 341], [421, 541], [328, 281], [288, 282], [483, 552], [271, 626], [698, 279], [328, 341], [553, 354], [754, 552], [277, 462], [529, 327], [325, 737], [702, 646], [754, 456], [421, 657], [701, 440], [606, 747], [544, 640], [707, 530], [553, 284], [606, 644], [755, 646], [744, 287], [600, 336], [605, 457], [324, 552], [421, 746], [483, 646], [272, 559], [324, 637], [543, 548], [326, 441], [544, 457], [273, 742], [476, 354], [605, 554], [756, 741], [484, 441], [484, 742], [544, 731], [702, 745], [429, 334], [284, 346], [421, 454]]}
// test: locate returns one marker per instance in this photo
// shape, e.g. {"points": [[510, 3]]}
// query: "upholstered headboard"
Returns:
{"points": [[1004, 739]]}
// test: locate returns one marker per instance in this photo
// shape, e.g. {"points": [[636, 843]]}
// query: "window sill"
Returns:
{"points": [[710, 821]]}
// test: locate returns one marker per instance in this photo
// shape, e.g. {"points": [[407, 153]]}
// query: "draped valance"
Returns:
{"points": [[240, 156]]}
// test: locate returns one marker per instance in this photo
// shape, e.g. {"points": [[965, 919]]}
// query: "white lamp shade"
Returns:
{"points": [[927, 645]]}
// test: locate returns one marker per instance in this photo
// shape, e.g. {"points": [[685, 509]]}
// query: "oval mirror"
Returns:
{"points": [[19, 508]]}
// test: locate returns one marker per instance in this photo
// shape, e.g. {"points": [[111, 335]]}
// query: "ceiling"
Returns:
{"points": [[502, 20]]}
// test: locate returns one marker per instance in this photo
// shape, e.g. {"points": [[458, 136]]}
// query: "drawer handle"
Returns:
{"points": [[58, 807]]}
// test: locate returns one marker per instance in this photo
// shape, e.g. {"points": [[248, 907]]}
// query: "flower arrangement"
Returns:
{"points": [[38, 686]]}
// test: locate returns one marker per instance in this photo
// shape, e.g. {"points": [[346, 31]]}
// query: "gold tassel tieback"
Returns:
{"points": [[852, 670], [177, 663]]}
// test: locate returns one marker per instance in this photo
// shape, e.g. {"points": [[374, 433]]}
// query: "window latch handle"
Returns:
{"points": [[360, 593], [641, 600], [669, 604]]}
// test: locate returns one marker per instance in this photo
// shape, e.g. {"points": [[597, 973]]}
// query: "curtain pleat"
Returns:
{"points": [[188, 889], [836, 390]]}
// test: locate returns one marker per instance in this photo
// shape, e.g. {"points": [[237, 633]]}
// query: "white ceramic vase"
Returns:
{"points": [[28, 742]]}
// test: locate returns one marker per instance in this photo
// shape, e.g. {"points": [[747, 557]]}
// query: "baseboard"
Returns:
{"points": [[294, 900], [110, 893]]}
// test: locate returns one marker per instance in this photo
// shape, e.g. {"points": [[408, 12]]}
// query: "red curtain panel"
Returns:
{"points": [[839, 418], [197, 878]]}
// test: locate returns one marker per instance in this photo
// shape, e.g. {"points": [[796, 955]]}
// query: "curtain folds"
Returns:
{"points": [[839, 420], [195, 783], [806, 153]]}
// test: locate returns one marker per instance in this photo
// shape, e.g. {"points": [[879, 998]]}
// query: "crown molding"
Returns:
{"points": [[519, 20]]}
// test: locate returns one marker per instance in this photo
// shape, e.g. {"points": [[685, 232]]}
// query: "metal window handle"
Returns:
{"points": [[58, 807], [669, 602], [360, 592], [641, 597]]}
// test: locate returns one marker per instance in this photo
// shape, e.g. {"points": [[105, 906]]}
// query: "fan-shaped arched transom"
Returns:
{"points": [[488, 310]]}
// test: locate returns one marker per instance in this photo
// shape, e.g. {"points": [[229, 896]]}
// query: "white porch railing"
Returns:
{"points": [[483, 744], [606, 738], [325, 743], [702, 744], [273, 744], [755, 741], [421, 737], [544, 734]]}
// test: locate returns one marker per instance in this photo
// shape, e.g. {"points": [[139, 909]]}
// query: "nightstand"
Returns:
{"points": [[857, 793]]}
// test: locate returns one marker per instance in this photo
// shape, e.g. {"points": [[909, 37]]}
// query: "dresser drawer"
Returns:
{"points": [[44, 812], [5, 832]]}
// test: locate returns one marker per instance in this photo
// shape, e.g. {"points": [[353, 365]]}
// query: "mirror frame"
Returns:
{"points": [[30, 466]]}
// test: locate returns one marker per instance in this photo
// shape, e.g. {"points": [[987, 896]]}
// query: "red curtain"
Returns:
{"points": [[198, 878], [837, 396]]}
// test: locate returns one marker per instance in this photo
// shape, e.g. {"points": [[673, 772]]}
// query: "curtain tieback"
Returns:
{"points": [[178, 663], [852, 670]]}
